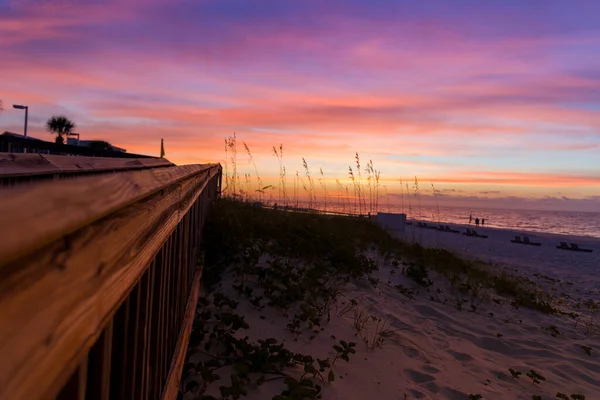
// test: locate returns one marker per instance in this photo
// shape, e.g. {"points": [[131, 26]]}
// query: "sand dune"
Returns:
{"points": [[438, 350]]}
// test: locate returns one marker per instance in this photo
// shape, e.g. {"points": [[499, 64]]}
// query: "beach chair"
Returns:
{"points": [[442, 228], [451, 230], [575, 247], [478, 235], [473, 233], [572, 247], [517, 239], [527, 241]]}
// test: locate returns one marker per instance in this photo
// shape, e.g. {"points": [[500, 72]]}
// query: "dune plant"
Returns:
{"points": [[278, 152], [296, 185], [354, 186], [373, 182], [514, 373], [260, 187], [324, 186], [437, 203], [214, 344], [377, 176], [361, 200], [340, 192], [409, 203], [370, 185], [360, 319], [402, 196], [311, 186], [535, 377], [417, 195], [231, 156]]}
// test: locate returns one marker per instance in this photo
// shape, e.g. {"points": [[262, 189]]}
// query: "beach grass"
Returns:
{"points": [[345, 245]]}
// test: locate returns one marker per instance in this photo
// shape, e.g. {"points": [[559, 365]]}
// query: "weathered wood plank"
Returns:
{"points": [[85, 164], [55, 303], [176, 367], [17, 164], [36, 215], [12, 164]]}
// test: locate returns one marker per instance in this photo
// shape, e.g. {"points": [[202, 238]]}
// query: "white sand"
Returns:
{"points": [[582, 269], [440, 352]]}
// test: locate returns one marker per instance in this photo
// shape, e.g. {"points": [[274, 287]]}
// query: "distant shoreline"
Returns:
{"points": [[515, 231]]}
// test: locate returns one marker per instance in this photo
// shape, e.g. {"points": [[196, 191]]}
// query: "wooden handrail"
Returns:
{"points": [[40, 214], [70, 254], [20, 165]]}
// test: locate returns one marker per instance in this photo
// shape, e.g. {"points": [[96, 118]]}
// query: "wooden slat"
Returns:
{"points": [[99, 367], [119, 346], [166, 307], [36, 215], [54, 303], [133, 353], [162, 318], [156, 313], [178, 360], [145, 394], [76, 386]]}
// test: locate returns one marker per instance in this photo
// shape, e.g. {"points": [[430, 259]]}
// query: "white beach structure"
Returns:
{"points": [[392, 222]]}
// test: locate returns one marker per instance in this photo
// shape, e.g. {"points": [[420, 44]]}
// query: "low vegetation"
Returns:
{"points": [[298, 264]]}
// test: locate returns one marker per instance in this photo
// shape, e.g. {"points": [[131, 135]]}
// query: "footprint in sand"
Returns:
{"points": [[411, 353], [430, 369], [419, 377], [462, 357], [416, 394]]}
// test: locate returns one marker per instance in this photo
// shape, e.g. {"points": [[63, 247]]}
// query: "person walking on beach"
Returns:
{"points": [[482, 221], [470, 218], [477, 221]]}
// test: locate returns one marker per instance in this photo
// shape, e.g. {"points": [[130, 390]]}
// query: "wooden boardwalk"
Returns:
{"points": [[99, 279]]}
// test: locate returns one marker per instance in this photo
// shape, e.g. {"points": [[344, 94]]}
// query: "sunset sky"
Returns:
{"points": [[495, 102]]}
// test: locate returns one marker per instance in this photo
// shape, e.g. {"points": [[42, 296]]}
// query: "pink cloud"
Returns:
{"points": [[427, 96]]}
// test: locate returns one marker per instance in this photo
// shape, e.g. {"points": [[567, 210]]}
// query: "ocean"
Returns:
{"points": [[559, 222]]}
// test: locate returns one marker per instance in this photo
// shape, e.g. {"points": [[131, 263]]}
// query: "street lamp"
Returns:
{"points": [[26, 108]]}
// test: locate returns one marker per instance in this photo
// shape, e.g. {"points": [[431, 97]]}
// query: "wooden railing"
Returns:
{"points": [[21, 168], [99, 279]]}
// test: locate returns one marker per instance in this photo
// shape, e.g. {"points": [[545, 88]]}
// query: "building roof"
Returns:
{"points": [[18, 135]]}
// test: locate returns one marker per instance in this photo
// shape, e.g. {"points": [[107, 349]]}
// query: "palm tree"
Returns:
{"points": [[61, 126]]}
